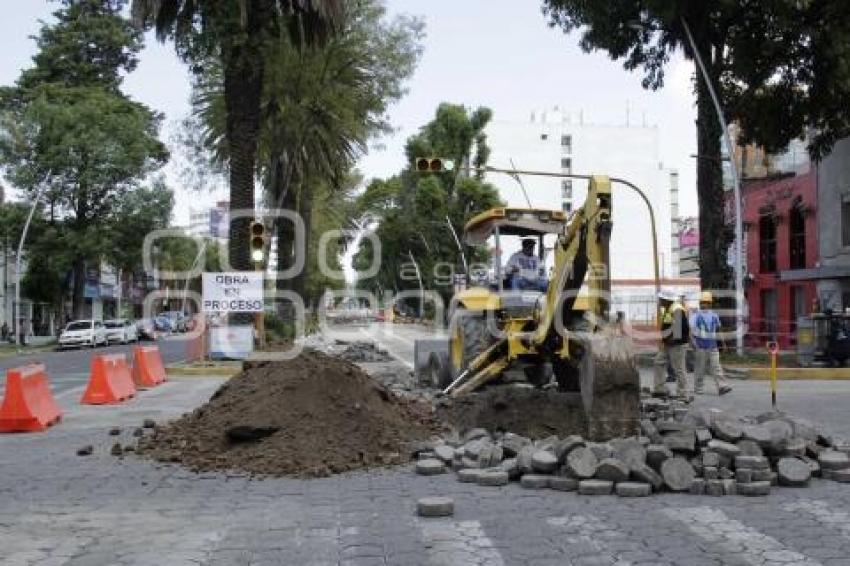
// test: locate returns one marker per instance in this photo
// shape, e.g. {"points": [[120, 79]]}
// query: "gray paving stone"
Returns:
{"points": [[656, 454], [534, 481], [469, 475], [493, 478], [595, 487], [633, 489], [678, 474], [581, 462], [445, 453], [612, 469], [751, 463], [727, 430], [435, 506], [543, 461], [714, 488], [793, 472], [756, 488], [833, 460], [561, 483], [430, 467], [646, 474]]}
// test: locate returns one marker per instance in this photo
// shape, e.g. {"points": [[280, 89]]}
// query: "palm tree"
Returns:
{"points": [[236, 33]]}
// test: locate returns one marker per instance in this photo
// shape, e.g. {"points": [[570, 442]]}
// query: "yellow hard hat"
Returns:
{"points": [[705, 297]]}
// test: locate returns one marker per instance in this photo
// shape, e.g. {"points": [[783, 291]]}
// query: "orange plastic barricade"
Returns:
{"points": [[28, 405], [110, 381], [148, 370]]}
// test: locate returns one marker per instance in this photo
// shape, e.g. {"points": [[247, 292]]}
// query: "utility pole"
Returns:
{"points": [[421, 286]]}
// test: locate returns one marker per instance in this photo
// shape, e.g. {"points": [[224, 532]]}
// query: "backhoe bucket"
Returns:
{"points": [[610, 386]]}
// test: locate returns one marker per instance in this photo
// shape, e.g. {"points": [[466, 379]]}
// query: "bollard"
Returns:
{"points": [[773, 350]]}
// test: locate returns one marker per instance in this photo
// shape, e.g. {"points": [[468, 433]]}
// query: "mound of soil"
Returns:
{"points": [[312, 416]]}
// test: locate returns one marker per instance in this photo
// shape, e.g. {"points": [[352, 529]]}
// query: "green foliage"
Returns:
{"points": [[412, 209], [68, 130]]}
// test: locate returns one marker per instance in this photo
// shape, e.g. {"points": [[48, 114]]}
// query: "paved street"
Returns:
{"points": [[69, 369], [60, 509]]}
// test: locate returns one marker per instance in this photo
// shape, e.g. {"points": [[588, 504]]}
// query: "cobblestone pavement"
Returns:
{"points": [[57, 508]]}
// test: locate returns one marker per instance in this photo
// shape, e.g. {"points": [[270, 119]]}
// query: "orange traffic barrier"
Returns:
{"points": [[110, 381], [28, 405], [148, 370]]}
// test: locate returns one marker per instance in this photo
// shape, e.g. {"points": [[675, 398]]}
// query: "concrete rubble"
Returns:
{"points": [[680, 449]]}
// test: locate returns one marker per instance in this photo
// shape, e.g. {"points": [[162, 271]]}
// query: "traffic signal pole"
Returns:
{"points": [[258, 237]]}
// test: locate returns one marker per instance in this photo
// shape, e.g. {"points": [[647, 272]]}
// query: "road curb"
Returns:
{"points": [[796, 374], [201, 371]]}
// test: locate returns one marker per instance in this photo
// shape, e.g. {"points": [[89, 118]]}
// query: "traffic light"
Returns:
{"points": [[432, 165], [258, 241]]}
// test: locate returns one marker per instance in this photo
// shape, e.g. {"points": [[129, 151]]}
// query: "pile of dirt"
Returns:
{"points": [[312, 416]]}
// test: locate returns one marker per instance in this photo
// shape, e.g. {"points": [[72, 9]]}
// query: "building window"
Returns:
{"points": [[845, 221], [566, 165], [567, 206], [768, 313], [767, 243], [567, 189], [544, 137], [567, 144], [797, 232], [798, 305]]}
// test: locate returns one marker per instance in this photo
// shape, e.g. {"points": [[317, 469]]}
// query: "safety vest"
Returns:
{"points": [[667, 314]]}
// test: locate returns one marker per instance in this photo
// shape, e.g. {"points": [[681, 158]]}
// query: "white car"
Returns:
{"points": [[79, 333], [121, 330]]}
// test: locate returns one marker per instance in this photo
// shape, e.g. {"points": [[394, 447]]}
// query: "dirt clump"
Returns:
{"points": [[311, 416]]}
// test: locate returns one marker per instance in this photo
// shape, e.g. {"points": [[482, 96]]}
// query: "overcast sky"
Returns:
{"points": [[495, 53]]}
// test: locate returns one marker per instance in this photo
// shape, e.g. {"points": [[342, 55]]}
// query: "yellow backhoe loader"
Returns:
{"points": [[558, 337]]}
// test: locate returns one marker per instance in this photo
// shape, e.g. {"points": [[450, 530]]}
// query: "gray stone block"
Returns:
{"points": [[678, 474], [490, 456], [756, 488], [633, 489], [793, 472], [493, 478], [727, 430], [724, 448], [697, 487], [581, 463], [714, 488], [681, 441], [762, 475], [729, 487], [612, 469], [703, 436], [841, 476], [744, 475], [601, 450], [544, 462], [534, 481], [511, 467], [430, 467], [710, 459], [435, 507], [475, 434], [833, 460], [469, 475], [749, 448], [794, 447], [595, 487], [710, 473], [725, 474], [524, 459], [561, 483]]}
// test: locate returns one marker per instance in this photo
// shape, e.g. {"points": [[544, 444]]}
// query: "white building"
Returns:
{"points": [[209, 222], [556, 141]]}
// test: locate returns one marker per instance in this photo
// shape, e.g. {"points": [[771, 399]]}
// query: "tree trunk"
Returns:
{"points": [[78, 298], [714, 235]]}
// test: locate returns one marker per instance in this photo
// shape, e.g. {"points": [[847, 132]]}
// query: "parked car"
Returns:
{"points": [[121, 330], [146, 329], [179, 321], [163, 324], [79, 333]]}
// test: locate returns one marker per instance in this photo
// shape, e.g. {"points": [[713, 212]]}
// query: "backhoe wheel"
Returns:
{"points": [[468, 337]]}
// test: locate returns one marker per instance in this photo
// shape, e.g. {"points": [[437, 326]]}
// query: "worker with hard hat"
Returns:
{"points": [[705, 324], [525, 268], [675, 335]]}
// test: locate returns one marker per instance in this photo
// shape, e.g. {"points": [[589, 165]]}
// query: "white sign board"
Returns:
{"points": [[233, 291]]}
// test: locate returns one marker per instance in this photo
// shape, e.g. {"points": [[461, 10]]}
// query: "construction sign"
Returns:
{"points": [[234, 291]]}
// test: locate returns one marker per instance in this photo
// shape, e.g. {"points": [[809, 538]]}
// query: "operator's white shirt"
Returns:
{"points": [[528, 265]]}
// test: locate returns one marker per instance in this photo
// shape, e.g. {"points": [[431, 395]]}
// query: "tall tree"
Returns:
{"points": [[68, 127], [320, 106], [778, 68], [237, 33]]}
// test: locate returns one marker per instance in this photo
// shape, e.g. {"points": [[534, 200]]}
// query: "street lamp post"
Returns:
{"points": [[16, 307], [736, 186]]}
